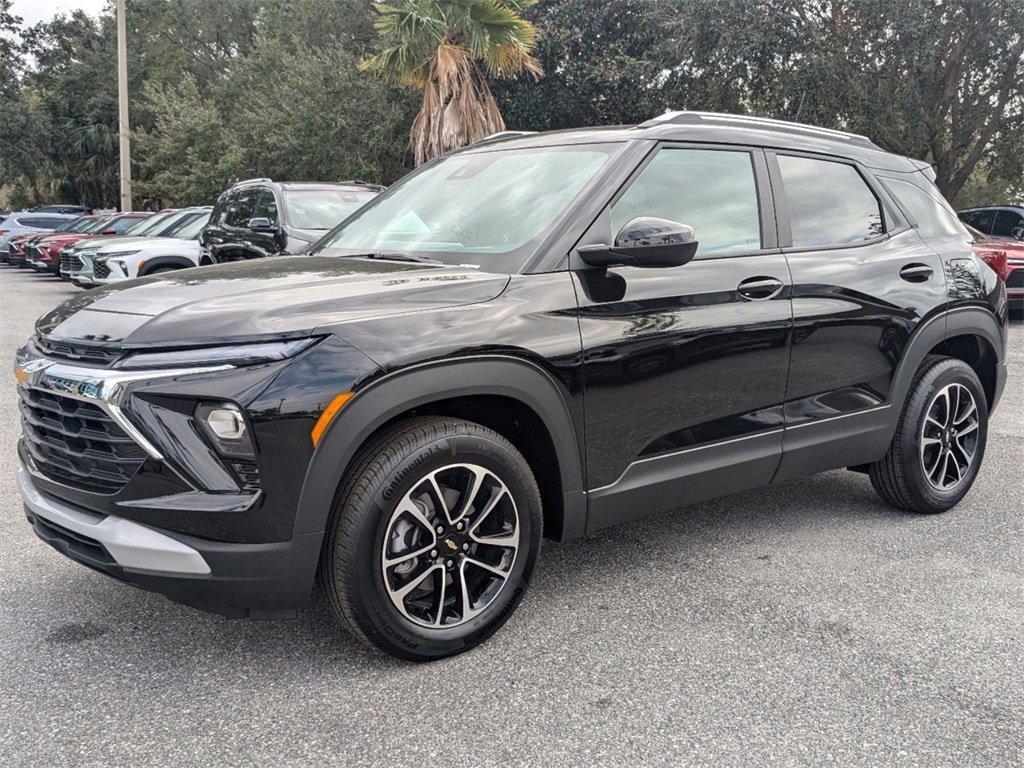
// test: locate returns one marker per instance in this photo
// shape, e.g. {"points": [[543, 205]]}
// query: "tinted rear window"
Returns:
{"points": [[829, 203]]}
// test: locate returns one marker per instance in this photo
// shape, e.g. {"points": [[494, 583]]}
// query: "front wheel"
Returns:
{"points": [[433, 540], [939, 443]]}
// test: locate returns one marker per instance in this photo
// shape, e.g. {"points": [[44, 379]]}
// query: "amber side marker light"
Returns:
{"points": [[336, 404]]}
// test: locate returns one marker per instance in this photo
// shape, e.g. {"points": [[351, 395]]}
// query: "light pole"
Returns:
{"points": [[122, 109]]}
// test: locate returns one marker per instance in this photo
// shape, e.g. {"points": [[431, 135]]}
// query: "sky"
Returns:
{"points": [[34, 11]]}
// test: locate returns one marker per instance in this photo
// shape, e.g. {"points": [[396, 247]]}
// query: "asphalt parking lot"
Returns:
{"points": [[806, 624]]}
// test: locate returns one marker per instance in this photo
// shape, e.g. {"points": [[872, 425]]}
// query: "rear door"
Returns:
{"points": [[1009, 225], [863, 281], [685, 367]]}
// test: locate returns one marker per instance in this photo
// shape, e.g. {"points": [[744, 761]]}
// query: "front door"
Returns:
{"points": [[685, 368]]}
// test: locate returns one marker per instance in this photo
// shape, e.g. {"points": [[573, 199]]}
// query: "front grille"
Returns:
{"points": [[69, 262], [79, 353], [1016, 279], [100, 270], [76, 443]]}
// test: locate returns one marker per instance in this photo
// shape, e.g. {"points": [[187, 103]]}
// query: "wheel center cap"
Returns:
{"points": [[451, 546]]}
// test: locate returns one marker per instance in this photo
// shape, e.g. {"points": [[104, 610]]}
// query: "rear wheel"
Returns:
{"points": [[939, 443], [433, 539]]}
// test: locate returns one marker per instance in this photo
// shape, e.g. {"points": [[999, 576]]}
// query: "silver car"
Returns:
{"points": [[29, 223]]}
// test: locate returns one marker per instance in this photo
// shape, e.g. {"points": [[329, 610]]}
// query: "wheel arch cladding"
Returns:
{"points": [[462, 388], [157, 262], [971, 334]]}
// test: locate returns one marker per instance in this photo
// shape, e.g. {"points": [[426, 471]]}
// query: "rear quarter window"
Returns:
{"points": [[932, 215]]}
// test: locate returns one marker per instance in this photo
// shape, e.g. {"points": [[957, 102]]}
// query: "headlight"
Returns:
{"points": [[115, 255], [239, 354]]}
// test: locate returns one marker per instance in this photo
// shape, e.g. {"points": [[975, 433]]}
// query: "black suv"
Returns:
{"points": [[1001, 221], [545, 334], [260, 217]]}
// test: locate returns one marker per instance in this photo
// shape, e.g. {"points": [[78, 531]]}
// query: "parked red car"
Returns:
{"points": [[16, 249], [1006, 257], [81, 225], [44, 253]]}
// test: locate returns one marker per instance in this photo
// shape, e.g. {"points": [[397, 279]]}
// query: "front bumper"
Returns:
{"points": [[236, 580]]}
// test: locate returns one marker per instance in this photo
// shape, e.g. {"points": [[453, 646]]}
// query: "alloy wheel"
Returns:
{"points": [[949, 437], [450, 546]]}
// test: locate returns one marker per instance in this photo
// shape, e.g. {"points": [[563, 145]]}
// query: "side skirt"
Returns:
{"points": [[852, 439], [685, 477]]}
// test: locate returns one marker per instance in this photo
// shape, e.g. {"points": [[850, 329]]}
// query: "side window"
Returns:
{"points": [[829, 203], [711, 190], [983, 220], [1006, 225], [241, 207], [933, 217], [266, 206]]}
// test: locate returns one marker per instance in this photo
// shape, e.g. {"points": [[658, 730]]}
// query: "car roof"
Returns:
{"points": [[1009, 207], [720, 128]]}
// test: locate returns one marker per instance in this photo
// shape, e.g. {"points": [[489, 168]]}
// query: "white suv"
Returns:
{"points": [[128, 258]]}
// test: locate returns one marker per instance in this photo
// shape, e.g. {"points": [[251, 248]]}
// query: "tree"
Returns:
{"points": [[940, 81], [439, 46], [188, 158], [602, 63]]}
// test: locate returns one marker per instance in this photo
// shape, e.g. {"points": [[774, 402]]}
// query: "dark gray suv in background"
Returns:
{"points": [[260, 217]]}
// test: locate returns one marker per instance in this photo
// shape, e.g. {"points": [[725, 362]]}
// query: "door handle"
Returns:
{"points": [[759, 288], [916, 273]]}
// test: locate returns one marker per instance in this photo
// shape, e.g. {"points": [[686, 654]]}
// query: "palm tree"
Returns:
{"points": [[439, 47]]}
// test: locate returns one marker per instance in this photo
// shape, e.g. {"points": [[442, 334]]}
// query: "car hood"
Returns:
{"points": [[1014, 248], [147, 243], [61, 239], [261, 299]]}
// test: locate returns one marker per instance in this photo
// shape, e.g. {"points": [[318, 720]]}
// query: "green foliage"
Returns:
{"points": [[188, 159], [221, 89], [438, 46], [601, 63]]}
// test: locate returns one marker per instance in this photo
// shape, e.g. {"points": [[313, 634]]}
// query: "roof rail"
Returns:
{"points": [[252, 181], [500, 135], [681, 117], [361, 182]]}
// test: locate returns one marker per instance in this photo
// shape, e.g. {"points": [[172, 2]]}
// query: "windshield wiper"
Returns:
{"points": [[394, 256]]}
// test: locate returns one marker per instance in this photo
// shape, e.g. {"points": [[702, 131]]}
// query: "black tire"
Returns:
{"points": [[900, 478], [397, 463], [159, 271]]}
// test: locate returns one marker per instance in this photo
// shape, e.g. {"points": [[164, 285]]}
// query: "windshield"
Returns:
{"points": [[324, 209], [190, 226], [148, 225], [69, 226], [98, 224], [487, 208]]}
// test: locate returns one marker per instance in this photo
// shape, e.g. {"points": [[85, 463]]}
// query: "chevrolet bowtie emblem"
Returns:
{"points": [[451, 545]]}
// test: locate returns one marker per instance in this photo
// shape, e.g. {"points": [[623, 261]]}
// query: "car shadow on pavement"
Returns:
{"points": [[565, 572]]}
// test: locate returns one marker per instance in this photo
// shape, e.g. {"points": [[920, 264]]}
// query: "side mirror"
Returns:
{"points": [[109, 232], [645, 242], [261, 224]]}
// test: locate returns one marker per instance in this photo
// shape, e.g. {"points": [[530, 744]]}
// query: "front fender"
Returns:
{"points": [[398, 392]]}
